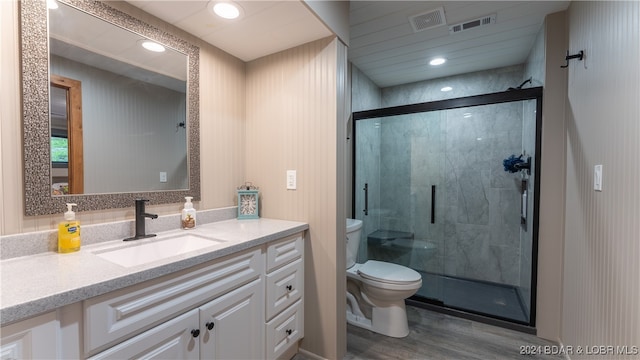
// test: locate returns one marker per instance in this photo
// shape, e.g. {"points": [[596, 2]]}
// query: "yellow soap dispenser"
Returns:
{"points": [[69, 231]]}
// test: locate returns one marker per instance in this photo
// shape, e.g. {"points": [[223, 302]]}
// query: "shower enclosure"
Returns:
{"points": [[449, 189]]}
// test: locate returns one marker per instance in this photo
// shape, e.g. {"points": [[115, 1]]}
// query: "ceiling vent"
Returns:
{"points": [[472, 24], [428, 20]]}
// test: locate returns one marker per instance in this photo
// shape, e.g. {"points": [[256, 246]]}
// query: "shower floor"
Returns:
{"points": [[497, 300]]}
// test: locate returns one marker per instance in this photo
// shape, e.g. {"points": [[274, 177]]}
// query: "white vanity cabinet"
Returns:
{"points": [[228, 297], [35, 338], [284, 315], [225, 328], [245, 305]]}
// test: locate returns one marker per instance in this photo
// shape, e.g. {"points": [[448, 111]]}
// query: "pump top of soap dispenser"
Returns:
{"points": [[188, 204], [70, 215]]}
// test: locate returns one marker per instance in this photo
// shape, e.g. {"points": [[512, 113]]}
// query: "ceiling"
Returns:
{"points": [[383, 44], [266, 26]]}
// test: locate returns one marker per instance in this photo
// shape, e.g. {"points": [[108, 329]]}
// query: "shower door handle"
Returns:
{"points": [[366, 199], [433, 204]]}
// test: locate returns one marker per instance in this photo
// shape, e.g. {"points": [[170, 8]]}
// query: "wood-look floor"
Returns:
{"points": [[439, 336]]}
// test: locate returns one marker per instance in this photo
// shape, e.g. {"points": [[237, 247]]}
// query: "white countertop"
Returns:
{"points": [[34, 284]]}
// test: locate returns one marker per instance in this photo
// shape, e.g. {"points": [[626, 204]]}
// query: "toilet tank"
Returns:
{"points": [[354, 228]]}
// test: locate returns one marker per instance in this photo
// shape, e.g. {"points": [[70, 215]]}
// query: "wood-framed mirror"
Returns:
{"points": [[49, 180]]}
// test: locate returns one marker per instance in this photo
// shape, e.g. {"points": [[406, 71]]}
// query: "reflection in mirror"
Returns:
{"points": [[67, 174], [105, 121], [134, 99]]}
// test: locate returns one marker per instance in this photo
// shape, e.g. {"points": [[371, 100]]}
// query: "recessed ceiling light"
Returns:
{"points": [[152, 46], [52, 4], [466, 115], [226, 10], [446, 88], [437, 61]]}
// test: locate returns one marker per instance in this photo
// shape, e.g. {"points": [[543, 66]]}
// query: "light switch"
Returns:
{"points": [[163, 176], [291, 180], [597, 178]]}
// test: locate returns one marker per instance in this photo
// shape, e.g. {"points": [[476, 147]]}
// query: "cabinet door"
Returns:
{"points": [[35, 338], [232, 324], [174, 339]]}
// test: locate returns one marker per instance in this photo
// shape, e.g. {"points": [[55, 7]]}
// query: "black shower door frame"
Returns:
{"points": [[514, 95]]}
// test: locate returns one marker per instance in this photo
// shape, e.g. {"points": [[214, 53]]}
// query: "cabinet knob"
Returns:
{"points": [[289, 331], [195, 333], [289, 287], [210, 325]]}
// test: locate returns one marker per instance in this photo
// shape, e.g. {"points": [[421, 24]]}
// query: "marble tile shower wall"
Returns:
{"points": [[476, 232], [477, 224], [365, 95], [412, 160], [368, 172], [477, 83], [482, 219]]}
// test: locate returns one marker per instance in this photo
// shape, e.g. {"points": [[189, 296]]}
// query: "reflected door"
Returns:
{"points": [[67, 159]]}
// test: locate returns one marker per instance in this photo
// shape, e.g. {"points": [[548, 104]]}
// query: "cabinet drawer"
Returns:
{"points": [[285, 330], [124, 313], [284, 287], [284, 251]]}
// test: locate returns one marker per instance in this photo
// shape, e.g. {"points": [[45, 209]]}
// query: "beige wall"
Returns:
{"points": [[293, 100], [222, 126], [552, 181], [256, 121], [601, 292]]}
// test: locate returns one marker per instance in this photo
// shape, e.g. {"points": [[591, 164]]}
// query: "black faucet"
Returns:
{"points": [[140, 217]]}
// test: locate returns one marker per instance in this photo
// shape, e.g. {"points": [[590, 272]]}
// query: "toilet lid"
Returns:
{"points": [[388, 272]]}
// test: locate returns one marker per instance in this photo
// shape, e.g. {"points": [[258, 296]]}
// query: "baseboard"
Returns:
{"points": [[310, 354]]}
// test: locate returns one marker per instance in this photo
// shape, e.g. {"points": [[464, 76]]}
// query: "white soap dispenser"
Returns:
{"points": [[188, 214]]}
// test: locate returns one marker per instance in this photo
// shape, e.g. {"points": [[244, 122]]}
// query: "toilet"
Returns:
{"points": [[376, 290]]}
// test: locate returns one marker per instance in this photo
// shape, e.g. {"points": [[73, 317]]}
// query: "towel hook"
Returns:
{"points": [[578, 56]]}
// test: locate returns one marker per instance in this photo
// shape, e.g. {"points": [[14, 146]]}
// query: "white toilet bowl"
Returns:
{"points": [[376, 290]]}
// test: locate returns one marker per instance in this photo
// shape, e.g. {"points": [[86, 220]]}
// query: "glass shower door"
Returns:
{"points": [[399, 187], [434, 195]]}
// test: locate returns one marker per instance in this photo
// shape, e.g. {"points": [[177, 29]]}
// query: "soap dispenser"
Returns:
{"points": [[69, 231], [188, 214]]}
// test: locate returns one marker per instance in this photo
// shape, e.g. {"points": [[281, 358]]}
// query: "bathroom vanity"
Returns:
{"points": [[239, 296]]}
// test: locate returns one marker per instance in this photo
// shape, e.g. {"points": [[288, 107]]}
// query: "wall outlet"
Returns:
{"points": [[291, 180], [163, 176], [597, 178]]}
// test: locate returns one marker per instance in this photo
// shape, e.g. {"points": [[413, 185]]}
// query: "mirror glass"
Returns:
{"points": [[125, 130], [105, 120]]}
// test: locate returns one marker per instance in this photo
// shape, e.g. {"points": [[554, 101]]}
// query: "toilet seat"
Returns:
{"points": [[388, 273]]}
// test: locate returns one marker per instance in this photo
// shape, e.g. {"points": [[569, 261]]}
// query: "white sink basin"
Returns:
{"points": [[140, 252]]}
